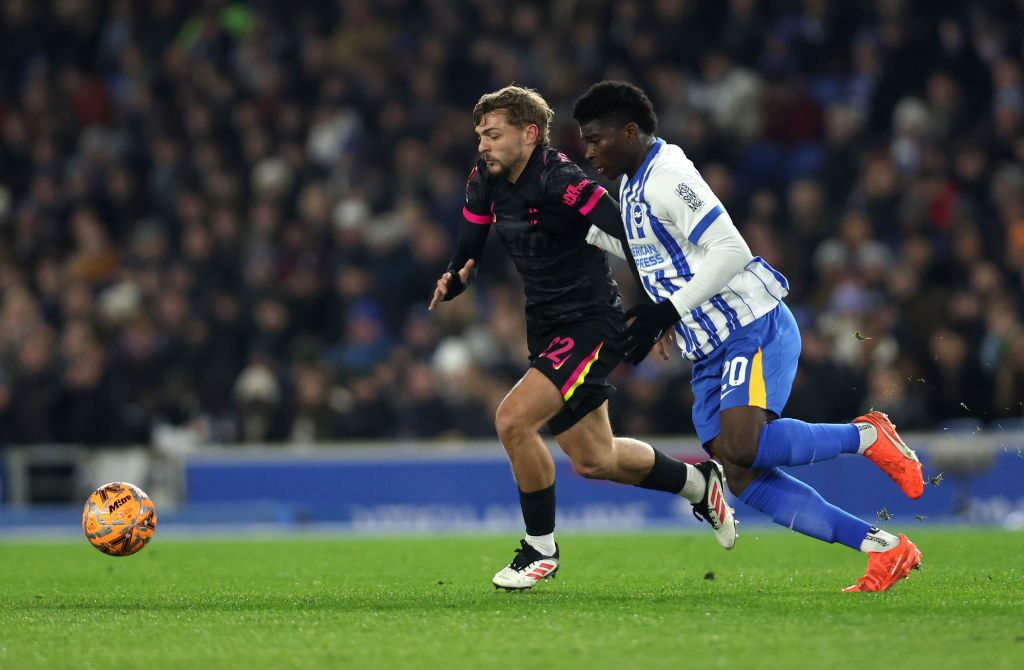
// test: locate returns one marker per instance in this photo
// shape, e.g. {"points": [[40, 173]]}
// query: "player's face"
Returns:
{"points": [[606, 147], [504, 147]]}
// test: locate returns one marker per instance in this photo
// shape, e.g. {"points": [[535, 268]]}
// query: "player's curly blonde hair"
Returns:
{"points": [[523, 106]]}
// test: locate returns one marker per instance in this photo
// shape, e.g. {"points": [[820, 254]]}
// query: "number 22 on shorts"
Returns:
{"points": [[558, 351]]}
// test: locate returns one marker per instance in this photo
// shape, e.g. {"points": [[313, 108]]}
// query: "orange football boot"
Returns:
{"points": [[885, 568], [893, 456]]}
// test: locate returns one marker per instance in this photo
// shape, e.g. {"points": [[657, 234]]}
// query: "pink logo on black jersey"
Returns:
{"points": [[534, 215], [572, 193]]}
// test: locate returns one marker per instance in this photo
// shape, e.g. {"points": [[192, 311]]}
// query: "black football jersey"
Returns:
{"points": [[541, 220]]}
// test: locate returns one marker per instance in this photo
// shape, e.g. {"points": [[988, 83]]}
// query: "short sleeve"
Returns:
{"points": [[686, 200], [568, 184], [478, 205]]}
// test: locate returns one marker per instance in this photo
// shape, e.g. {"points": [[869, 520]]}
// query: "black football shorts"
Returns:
{"points": [[577, 357]]}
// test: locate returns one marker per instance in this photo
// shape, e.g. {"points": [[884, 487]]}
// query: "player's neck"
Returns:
{"points": [[516, 170], [513, 172], [646, 142]]}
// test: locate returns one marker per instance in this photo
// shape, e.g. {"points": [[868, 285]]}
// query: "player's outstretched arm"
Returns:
{"points": [[606, 229], [605, 242], [473, 232], [609, 233], [441, 291]]}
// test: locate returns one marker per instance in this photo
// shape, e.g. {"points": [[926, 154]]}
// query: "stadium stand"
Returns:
{"points": [[225, 218]]}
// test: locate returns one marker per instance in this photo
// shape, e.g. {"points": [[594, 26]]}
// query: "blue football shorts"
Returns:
{"points": [[754, 366]]}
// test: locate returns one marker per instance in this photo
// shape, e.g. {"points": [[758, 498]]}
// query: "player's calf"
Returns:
{"points": [[595, 467]]}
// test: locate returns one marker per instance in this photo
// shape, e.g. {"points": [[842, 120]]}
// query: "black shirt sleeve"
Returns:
{"points": [[605, 215], [478, 202], [476, 224], [567, 183]]}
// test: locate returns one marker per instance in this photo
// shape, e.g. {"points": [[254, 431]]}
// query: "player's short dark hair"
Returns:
{"points": [[616, 101], [523, 106]]}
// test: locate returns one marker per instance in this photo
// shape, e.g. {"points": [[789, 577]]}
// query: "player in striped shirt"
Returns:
{"points": [[727, 312]]}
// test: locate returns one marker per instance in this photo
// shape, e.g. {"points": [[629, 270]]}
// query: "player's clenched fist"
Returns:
{"points": [[450, 285]]}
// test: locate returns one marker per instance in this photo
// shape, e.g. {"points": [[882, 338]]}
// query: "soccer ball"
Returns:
{"points": [[119, 519]]}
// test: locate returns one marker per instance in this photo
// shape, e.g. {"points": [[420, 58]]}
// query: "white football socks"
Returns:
{"points": [[878, 540], [693, 489], [868, 434], [545, 544]]}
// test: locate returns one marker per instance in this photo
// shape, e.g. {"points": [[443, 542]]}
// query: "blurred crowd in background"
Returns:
{"points": [[222, 221]]}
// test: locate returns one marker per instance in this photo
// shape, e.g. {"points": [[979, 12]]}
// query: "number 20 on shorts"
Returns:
{"points": [[734, 372]]}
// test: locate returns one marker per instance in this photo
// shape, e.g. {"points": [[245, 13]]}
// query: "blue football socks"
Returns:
{"points": [[795, 505], [793, 442]]}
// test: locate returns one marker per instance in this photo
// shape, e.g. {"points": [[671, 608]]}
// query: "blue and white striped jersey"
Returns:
{"points": [[666, 208]]}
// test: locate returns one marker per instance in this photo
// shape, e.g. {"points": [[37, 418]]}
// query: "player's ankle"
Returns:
{"points": [[545, 544], [878, 540], [695, 486], [868, 435]]}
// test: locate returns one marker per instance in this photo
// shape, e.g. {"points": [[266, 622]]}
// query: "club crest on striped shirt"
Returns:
{"points": [[637, 217]]}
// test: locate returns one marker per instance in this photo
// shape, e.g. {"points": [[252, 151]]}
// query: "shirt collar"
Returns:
{"points": [[658, 143]]}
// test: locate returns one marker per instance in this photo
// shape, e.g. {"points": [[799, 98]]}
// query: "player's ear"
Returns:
{"points": [[632, 132], [532, 133]]}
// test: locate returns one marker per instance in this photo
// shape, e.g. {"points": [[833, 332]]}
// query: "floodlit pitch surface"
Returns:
{"points": [[624, 601]]}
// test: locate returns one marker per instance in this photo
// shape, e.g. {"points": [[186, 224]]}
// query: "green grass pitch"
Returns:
{"points": [[621, 601]]}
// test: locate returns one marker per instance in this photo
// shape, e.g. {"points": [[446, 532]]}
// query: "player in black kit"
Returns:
{"points": [[542, 205]]}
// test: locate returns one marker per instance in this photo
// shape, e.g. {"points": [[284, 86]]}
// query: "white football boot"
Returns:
{"points": [[526, 569], [713, 508]]}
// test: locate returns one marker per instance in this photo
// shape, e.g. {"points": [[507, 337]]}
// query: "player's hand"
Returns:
{"points": [[649, 322], [448, 281], [666, 343]]}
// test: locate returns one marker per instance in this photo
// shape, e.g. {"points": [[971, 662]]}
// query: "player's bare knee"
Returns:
{"points": [[735, 449], [740, 430], [508, 423], [744, 453], [738, 439]]}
